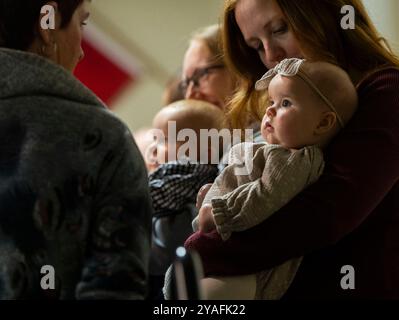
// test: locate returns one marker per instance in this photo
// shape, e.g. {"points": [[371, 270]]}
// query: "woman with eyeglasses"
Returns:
{"points": [[205, 75]]}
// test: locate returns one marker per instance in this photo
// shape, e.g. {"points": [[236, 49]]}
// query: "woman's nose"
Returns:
{"points": [[273, 54], [193, 92]]}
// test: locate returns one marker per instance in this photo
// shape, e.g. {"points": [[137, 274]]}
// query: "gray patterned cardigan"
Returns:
{"points": [[73, 189]]}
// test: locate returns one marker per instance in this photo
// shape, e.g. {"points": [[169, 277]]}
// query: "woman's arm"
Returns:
{"points": [[361, 168]]}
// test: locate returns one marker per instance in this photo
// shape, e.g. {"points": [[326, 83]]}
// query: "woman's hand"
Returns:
{"points": [[206, 222], [201, 194]]}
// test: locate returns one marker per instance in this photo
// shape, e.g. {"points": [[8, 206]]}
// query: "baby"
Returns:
{"points": [[309, 103], [182, 168]]}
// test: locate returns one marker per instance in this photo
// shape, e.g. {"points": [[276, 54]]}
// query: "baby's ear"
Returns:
{"points": [[327, 122]]}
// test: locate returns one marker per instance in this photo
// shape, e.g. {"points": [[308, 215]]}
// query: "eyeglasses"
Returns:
{"points": [[199, 76]]}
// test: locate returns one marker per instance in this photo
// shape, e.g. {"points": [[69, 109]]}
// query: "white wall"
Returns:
{"points": [[160, 29], [384, 14]]}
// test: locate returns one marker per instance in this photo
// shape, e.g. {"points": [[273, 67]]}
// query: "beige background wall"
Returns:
{"points": [[385, 14], [159, 30]]}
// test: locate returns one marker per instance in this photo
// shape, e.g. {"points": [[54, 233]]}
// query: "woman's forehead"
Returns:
{"points": [[255, 16], [288, 86], [197, 56]]}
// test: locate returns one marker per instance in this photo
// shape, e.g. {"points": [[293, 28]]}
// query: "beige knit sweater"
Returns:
{"points": [[259, 180]]}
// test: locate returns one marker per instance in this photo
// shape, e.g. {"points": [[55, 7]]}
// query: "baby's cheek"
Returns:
{"points": [[161, 154], [291, 129]]}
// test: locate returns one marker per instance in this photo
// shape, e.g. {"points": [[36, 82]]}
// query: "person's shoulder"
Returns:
{"points": [[247, 145], [111, 122], [274, 148], [96, 118], [312, 154], [386, 79], [308, 152], [273, 152]]}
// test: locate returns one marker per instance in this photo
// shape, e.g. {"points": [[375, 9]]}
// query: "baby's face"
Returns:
{"points": [[165, 148], [292, 115], [185, 141]]}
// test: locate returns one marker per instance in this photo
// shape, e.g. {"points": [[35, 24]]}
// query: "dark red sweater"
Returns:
{"points": [[349, 217]]}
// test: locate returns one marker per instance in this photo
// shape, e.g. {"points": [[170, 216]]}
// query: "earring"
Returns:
{"points": [[43, 50]]}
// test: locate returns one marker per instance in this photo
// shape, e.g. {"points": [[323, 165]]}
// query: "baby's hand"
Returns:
{"points": [[202, 193], [206, 221]]}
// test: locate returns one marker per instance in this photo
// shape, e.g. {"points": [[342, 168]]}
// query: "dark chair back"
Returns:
{"points": [[186, 273]]}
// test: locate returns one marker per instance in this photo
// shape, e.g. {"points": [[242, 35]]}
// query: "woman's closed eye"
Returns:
{"points": [[202, 73], [280, 30]]}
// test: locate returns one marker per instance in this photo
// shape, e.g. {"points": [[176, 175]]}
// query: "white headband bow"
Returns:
{"points": [[289, 68]]}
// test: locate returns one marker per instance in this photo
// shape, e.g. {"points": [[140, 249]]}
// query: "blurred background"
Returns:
{"points": [[133, 47]]}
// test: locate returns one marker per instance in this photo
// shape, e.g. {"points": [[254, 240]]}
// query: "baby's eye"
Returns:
{"points": [[270, 103], [285, 103]]}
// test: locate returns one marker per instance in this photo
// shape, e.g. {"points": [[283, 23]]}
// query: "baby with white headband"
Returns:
{"points": [[308, 104]]}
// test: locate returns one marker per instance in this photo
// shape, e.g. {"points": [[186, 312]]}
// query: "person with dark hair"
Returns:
{"points": [[23, 17], [73, 186]]}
